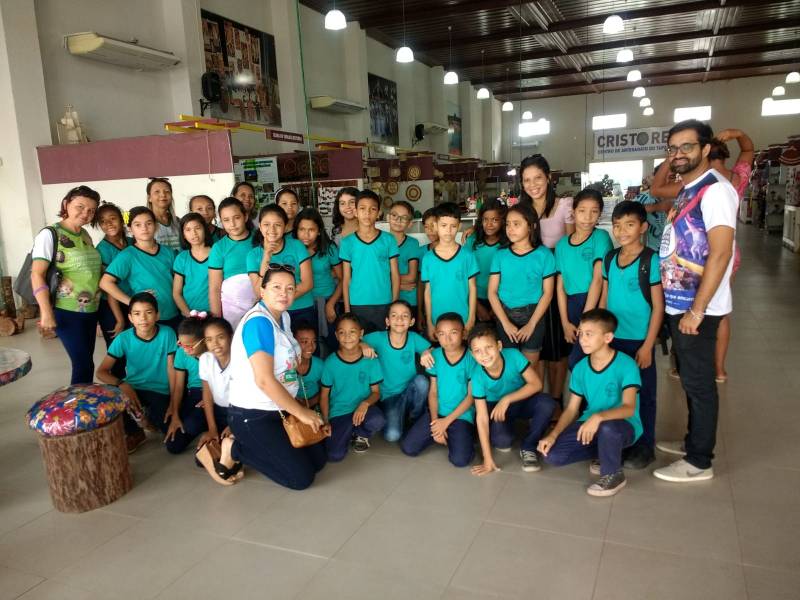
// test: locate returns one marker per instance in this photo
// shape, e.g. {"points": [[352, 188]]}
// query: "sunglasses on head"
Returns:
{"points": [[279, 267]]}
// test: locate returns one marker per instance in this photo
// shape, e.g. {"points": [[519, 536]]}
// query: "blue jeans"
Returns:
{"points": [[609, 441], [342, 431], [194, 421], [647, 393], [538, 409], [460, 440], [78, 332], [575, 306], [261, 443], [411, 401]]}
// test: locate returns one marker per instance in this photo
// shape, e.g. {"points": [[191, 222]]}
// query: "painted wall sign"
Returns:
{"points": [[630, 143]]}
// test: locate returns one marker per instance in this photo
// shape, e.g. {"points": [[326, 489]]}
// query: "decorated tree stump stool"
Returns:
{"points": [[82, 439]]}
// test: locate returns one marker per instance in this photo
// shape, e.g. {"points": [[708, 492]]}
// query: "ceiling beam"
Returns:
{"points": [[630, 43], [394, 15], [571, 24], [653, 60], [513, 94]]}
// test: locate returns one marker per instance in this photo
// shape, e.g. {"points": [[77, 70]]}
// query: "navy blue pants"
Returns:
{"points": [[342, 431], [173, 322], [107, 322], [372, 316], [460, 440], [155, 406], [78, 332], [261, 443], [611, 439], [538, 409], [194, 421], [575, 306], [307, 316], [647, 393]]}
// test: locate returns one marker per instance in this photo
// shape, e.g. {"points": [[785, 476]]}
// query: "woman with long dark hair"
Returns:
{"points": [[555, 221], [344, 214]]}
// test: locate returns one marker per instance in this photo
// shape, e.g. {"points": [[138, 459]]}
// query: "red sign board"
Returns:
{"points": [[285, 136]]}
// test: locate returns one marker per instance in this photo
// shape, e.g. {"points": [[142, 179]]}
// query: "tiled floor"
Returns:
{"points": [[385, 526]]}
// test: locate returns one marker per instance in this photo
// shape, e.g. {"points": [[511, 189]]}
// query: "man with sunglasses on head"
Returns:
{"points": [[696, 260]]}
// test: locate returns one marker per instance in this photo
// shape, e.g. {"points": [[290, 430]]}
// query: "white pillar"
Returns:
{"points": [[183, 28], [24, 123], [356, 80], [438, 108]]}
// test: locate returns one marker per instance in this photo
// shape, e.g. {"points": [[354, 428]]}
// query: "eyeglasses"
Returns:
{"points": [[401, 218], [190, 346], [280, 267], [684, 148]]}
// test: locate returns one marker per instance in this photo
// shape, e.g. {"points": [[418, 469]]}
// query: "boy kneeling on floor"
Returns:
{"points": [[609, 382]]}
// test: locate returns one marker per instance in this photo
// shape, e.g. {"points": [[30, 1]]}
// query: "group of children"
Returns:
{"points": [[430, 344]]}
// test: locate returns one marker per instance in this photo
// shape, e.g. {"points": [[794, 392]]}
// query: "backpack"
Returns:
{"points": [[23, 287], [645, 258]]}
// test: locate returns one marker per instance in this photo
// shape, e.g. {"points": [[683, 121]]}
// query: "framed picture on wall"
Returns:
{"points": [[244, 59], [454, 134], [383, 110]]}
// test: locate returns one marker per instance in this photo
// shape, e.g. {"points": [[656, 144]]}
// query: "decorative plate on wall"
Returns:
{"points": [[394, 172], [387, 202], [414, 172], [392, 187], [413, 193]]}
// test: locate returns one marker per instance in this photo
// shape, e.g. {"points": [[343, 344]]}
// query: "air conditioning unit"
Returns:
{"points": [[429, 127], [118, 52], [336, 105]]}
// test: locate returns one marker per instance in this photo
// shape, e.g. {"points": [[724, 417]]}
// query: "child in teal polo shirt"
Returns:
{"points": [[632, 291], [309, 369], [401, 213], [350, 389], [506, 388], [190, 268], [371, 276], [608, 381], [489, 236], [404, 392], [145, 266], [450, 418], [449, 273], [579, 265], [149, 352]]}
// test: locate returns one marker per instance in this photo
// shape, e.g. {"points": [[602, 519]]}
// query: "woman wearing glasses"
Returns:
{"points": [[264, 383], [72, 313]]}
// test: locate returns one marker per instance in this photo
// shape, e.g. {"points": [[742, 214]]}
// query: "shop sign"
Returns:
{"points": [[630, 143], [285, 136]]}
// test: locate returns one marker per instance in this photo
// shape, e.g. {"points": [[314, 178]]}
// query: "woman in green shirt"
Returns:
{"points": [[73, 315]]}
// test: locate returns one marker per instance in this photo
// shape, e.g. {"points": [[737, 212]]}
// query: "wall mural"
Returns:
{"points": [[383, 110], [244, 59]]}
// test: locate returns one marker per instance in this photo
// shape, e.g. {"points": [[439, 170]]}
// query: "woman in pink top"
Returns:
{"points": [[555, 221]]}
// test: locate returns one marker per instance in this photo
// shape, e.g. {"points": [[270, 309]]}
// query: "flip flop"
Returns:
{"points": [[216, 470]]}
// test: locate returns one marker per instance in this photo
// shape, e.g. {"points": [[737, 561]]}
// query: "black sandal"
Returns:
{"points": [[213, 467]]}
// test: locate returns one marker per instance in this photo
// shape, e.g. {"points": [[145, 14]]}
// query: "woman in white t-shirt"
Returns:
{"points": [[264, 382]]}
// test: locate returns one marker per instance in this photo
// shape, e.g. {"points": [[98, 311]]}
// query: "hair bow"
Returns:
{"points": [[198, 314]]}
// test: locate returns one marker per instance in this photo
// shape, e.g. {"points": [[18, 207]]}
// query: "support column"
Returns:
{"points": [[24, 122], [184, 30], [438, 108], [356, 80]]}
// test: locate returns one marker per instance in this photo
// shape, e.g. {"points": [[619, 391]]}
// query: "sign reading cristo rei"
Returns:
{"points": [[630, 143]]}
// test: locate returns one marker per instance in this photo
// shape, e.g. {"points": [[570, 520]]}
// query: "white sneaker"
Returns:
{"points": [[682, 472], [676, 448]]}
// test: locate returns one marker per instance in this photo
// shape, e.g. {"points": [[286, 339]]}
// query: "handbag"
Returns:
{"points": [[23, 286], [300, 434]]}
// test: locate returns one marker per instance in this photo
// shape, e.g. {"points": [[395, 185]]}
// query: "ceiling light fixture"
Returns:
{"points": [[644, 102], [511, 172], [648, 112], [613, 24], [625, 55], [335, 20], [483, 93], [404, 53], [639, 92], [508, 106], [793, 77], [634, 75], [451, 77], [779, 91], [527, 115]]}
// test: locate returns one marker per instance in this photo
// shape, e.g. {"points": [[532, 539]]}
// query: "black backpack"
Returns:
{"points": [[22, 285], [645, 258]]}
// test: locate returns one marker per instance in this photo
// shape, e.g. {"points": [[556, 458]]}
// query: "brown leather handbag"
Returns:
{"points": [[300, 434]]}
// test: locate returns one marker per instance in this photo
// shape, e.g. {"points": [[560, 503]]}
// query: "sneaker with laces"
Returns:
{"points": [[530, 461], [683, 472], [677, 448], [607, 485], [594, 467], [360, 444]]}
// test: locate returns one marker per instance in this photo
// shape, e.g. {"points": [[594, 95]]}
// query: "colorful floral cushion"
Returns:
{"points": [[76, 408]]}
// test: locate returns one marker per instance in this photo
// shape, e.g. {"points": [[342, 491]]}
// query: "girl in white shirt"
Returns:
{"points": [[216, 378]]}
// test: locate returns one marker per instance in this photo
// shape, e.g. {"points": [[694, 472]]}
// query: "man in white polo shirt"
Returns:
{"points": [[696, 260]]}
